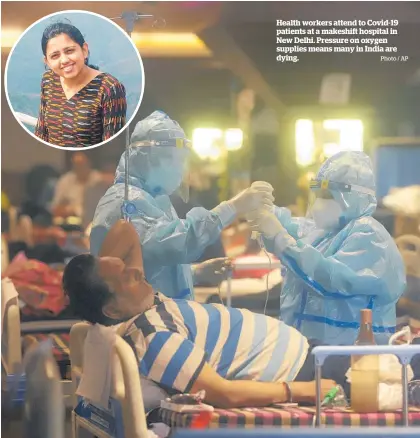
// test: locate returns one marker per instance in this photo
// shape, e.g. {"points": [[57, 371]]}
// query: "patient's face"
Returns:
{"points": [[128, 285]]}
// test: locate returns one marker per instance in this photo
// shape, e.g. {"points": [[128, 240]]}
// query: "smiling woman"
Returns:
{"points": [[80, 105]]}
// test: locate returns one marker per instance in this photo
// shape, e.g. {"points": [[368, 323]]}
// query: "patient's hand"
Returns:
{"points": [[212, 272], [306, 391]]}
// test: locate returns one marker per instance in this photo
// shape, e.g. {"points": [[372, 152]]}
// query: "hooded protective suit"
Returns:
{"points": [[169, 244], [340, 261]]}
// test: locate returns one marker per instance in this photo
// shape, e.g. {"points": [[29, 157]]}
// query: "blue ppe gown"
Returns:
{"points": [[332, 274], [169, 244]]}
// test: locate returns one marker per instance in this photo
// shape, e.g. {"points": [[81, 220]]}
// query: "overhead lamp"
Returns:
{"points": [[211, 143], [171, 44], [234, 138], [333, 135], [9, 37], [153, 44], [350, 135], [204, 142]]}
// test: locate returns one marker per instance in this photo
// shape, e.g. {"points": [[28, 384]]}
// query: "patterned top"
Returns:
{"points": [[175, 338], [94, 114]]}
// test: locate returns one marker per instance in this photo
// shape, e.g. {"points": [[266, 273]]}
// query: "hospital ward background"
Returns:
{"points": [[282, 198]]}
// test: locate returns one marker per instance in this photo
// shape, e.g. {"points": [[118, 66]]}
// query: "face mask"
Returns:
{"points": [[326, 213], [167, 169], [164, 181]]}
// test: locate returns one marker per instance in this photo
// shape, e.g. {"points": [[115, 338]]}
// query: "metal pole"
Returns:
{"points": [[127, 147], [127, 170], [405, 394], [130, 18], [318, 393]]}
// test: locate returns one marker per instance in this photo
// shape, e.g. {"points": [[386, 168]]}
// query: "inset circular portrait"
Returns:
{"points": [[74, 79]]}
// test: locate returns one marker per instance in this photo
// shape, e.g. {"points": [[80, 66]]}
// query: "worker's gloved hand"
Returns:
{"points": [[256, 197], [263, 186], [253, 215], [270, 227], [212, 272], [267, 223]]}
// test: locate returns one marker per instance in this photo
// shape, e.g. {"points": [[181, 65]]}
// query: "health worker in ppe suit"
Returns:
{"points": [[158, 156], [338, 259]]}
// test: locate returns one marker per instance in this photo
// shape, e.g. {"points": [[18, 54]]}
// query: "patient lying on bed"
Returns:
{"points": [[238, 357]]}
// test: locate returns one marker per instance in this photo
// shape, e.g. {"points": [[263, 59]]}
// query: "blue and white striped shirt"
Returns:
{"points": [[175, 338]]}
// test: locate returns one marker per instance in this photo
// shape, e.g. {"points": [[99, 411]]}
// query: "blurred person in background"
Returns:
{"points": [[94, 192], [339, 259], [36, 240], [40, 184], [158, 156], [70, 188], [29, 228]]}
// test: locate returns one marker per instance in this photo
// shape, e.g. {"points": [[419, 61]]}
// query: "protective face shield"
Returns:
{"points": [[327, 203], [168, 164]]}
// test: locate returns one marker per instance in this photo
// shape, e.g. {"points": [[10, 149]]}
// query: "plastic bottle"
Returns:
{"points": [[365, 370]]}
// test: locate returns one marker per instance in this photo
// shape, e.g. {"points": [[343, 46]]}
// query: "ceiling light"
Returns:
{"points": [[159, 44]]}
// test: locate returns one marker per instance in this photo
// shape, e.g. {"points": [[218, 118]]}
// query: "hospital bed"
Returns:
{"points": [[125, 416], [32, 400], [18, 338], [374, 432], [247, 418], [11, 351], [58, 330], [26, 329], [287, 415], [124, 407]]}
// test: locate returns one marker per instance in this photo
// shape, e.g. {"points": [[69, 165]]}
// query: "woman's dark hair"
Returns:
{"points": [[71, 31], [87, 292]]}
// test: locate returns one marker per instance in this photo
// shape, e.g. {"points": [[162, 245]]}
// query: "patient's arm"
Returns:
{"points": [[122, 242], [240, 393], [172, 360]]}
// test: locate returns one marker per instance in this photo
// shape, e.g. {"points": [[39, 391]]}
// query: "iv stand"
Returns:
{"points": [[130, 18]]}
